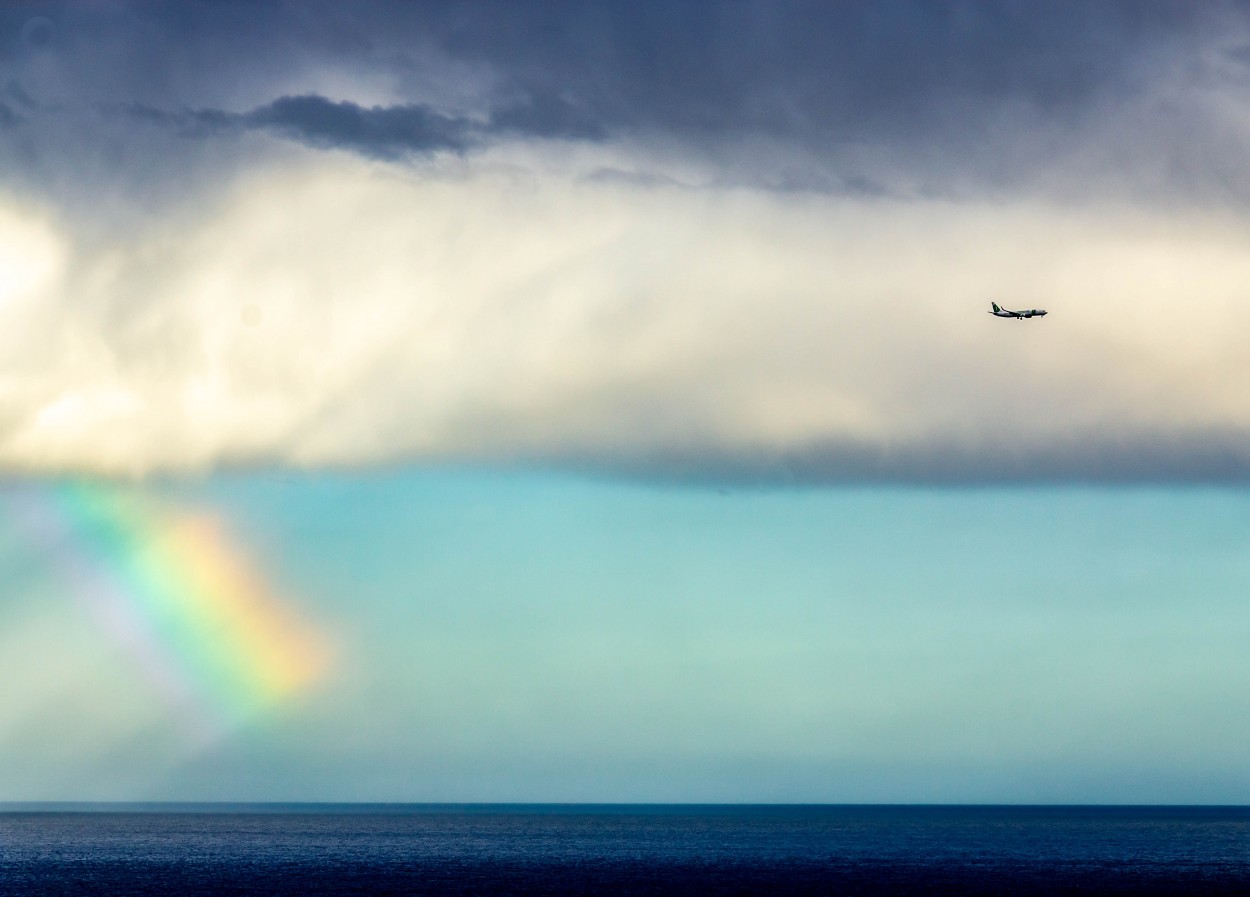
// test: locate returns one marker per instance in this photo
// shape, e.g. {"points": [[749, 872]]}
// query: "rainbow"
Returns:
{"points": [[174, 590]]}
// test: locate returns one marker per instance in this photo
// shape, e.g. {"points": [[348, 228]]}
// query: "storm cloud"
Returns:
{"points": [[928, 97], [382, 132], [746, 242]]}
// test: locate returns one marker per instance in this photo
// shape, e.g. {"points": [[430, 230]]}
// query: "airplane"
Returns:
{"points": [[1021, 315]]}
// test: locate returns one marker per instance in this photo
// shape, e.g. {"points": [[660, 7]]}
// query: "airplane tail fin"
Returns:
{"points": [[994, 305]]}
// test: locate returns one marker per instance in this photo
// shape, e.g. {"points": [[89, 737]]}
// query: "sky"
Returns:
{"points": [[596, 402]]}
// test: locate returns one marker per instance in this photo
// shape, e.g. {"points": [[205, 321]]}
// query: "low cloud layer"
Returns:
{"points": [[749, 242], [336, 312]]}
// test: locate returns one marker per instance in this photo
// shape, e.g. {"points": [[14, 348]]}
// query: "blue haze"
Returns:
{"points": [[532, 637], [510, 636]]}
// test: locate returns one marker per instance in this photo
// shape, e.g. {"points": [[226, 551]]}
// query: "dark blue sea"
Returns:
{"points": [[621, 850]]}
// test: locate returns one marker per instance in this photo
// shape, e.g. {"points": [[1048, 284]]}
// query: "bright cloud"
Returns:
{"points": [[338, 311]]}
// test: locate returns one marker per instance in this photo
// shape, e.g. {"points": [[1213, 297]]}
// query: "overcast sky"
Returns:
{"points": [[674, 240], [597, 401]]}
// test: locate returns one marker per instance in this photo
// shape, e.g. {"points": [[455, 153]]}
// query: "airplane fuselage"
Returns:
{"points": [[1019, 315]]}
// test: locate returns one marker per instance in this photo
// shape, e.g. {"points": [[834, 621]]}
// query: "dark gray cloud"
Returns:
{"points": [[1216, 457], [380, 131], [934, 83], [893, 98], [797, 67], [547, 115], [837, 70], [384, 132]]}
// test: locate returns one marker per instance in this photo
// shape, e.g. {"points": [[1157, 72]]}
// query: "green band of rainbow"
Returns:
{"points": [[180, 594]]}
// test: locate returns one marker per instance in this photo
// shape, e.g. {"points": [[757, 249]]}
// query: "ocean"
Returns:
{"points": [[311, 849]]}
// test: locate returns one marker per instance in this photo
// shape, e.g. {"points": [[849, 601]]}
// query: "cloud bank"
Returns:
{"points": [[341, 313], [750, 243]]}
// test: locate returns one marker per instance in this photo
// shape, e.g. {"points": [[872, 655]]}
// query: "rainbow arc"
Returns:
{"points": [[182, 598]]}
